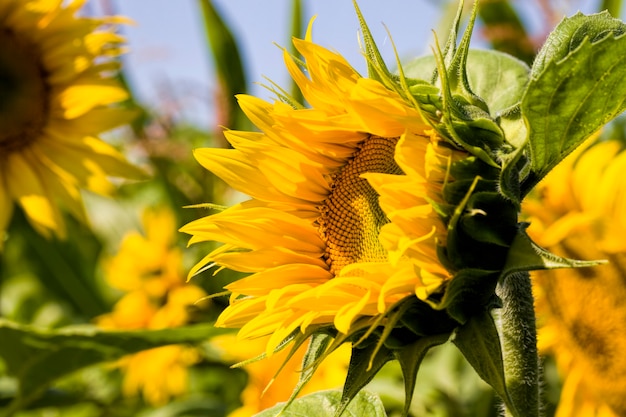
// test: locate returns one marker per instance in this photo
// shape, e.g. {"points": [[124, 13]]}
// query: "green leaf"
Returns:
{"points": [[326, 404], [469, 293], [315, 354], [576, 87], [479, 342], [526, 255], [572, 33], [365, 362], [410, 359], [39, 357], [502, 88]]}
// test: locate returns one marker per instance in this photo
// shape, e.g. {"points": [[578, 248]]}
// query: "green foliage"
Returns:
{"points": [[525, 255], [576, 88], [39, 357], [67, 280], [326, 404]]}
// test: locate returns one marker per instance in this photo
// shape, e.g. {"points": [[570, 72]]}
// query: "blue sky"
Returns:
{"points": [[168, 53]]}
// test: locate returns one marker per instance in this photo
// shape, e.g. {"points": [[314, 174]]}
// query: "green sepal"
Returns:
{"points": [[525, 255], [410, 358], [457, 66], [483, 223], [315, 354], [295, 340], [515, 163], [479, 341], [455, 191], [421, 320], [376, 67], [365, 363], [458, 118], [576, 88], [469, 293], [489, 219]]}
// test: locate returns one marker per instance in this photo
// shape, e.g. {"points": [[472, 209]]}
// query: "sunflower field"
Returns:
{"points": [[437, 234]]}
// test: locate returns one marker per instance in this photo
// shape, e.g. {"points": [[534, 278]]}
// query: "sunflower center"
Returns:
{"points": [[351, 218], [23, 93]]}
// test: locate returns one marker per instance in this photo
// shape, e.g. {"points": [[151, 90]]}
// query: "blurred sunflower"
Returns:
{"points": [[149, 269], [57, 91], [265, 388], [579, 211], [341, 224]]}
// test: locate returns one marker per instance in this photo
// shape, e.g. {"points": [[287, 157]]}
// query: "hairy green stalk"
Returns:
{"points": [[519, 344]]}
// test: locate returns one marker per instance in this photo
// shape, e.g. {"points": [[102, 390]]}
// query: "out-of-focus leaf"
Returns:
{"points": [[66, 268], [325, 404], [504, 29], [228, 65], [612, 6], [196, 407], [297, 31], [39, 357]]}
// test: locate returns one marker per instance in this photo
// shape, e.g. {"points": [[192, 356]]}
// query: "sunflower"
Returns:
{"points": [[363, 224], [340, 225], [56, 78], [578, 211], [148, 268]]}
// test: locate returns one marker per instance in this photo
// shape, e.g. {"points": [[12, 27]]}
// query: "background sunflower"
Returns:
{"points": [[58, 95], [579, 212]]}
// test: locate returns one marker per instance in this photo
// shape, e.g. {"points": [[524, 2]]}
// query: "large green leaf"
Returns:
{"points": [[577, 86], [39, 357], [326, 403]]}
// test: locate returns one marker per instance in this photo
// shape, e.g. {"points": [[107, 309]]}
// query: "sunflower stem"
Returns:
{"points": [[519, 344]]}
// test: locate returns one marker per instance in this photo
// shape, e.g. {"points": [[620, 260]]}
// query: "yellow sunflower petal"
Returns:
{"points": [[27, 189]]}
